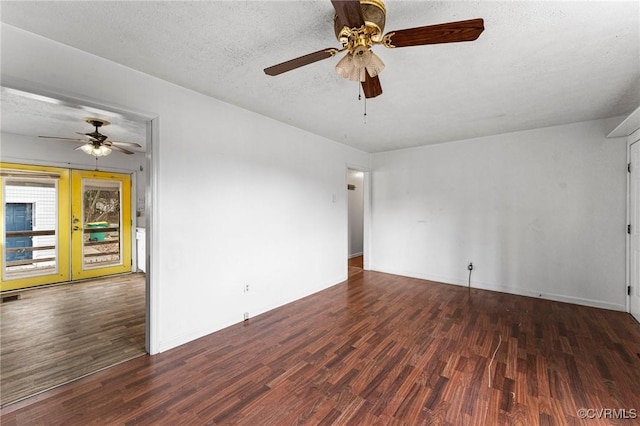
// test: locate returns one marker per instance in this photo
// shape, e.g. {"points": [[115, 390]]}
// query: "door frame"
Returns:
{"points": [[632, 139], [69, 246], [366, 231], [127, 230], [152, 162]]}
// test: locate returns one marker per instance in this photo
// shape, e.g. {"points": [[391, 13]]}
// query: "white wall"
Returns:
{"points": [[240, 198], [538, 212], [356, 212]]}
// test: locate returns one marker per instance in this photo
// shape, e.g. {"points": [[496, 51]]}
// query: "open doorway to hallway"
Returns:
{"points": [[355, 203]]}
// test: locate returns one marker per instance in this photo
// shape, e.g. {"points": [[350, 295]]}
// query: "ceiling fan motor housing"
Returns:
{"points": [[374, 13], [97, 137]]}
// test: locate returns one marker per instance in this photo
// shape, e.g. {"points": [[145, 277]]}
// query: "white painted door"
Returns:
{"points": [[634, 240]]}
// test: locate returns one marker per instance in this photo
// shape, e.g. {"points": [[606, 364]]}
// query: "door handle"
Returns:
{"points": [[76, 228]]}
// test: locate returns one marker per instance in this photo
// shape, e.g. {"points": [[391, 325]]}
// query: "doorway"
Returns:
{"points": [[355, 208], [123, 301], [634, 234], [37, 202]]}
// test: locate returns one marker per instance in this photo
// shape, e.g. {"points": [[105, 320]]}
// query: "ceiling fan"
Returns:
{"points": [[358, 27], [96, 143]]}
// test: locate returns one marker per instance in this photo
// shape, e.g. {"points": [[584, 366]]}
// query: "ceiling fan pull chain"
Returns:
{"points": [[365, 110], [365, 103]]}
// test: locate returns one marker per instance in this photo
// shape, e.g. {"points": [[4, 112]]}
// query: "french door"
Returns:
{"points": [[60, 225], [100, 224]]}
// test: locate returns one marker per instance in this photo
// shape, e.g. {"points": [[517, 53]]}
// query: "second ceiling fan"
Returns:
{"points": [[96, 143], [359, 25]]}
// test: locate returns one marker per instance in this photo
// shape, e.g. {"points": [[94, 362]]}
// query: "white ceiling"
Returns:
{"points": [[537, 64], [24, 114]]}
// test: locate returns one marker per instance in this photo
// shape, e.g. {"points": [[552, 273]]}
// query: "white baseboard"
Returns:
{"points": [[196, 333], [175, 341], [355, 255], [512, 290]]}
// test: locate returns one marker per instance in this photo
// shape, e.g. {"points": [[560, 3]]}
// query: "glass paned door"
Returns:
{"points": [[34, 226], [100, 223], [59, 225]]}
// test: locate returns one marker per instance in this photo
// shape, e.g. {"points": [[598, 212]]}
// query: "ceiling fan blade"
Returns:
{"points": [[301, 61], [64, 139], [117, 148], [133, 144], [93, 136], [349, 13], [433, 34], [371, 86]]}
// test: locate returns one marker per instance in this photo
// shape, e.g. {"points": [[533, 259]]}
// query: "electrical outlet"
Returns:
{"points": [[470, 266], [246, 316], [246, 288]]}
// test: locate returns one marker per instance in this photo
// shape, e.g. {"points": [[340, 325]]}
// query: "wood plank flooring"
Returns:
{"points": [[355, 265], [55, 334], [377, 349]]}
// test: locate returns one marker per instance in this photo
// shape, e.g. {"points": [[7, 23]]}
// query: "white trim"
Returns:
{"points": [[178, 340], [366, 231], [152, 212], [133, 177], [510, 290], [627, 251], [628, 126], [64, 165], [631, 139], [355, 255]]}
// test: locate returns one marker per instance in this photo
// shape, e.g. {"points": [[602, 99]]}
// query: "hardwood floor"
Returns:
{"points": [[376, 349], [355, 265], [55, 334]]}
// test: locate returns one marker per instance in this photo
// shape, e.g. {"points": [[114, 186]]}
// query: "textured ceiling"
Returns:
{"points": [[537, 64], [23, 114]]}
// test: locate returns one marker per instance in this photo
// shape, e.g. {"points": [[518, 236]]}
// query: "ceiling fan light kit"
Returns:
{"points": [[354, 66], [358, 26], [99, 151]]}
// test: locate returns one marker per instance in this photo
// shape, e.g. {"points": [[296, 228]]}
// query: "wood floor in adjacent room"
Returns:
{"points": [[355, 266], [55, 334], [376, 349]]}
